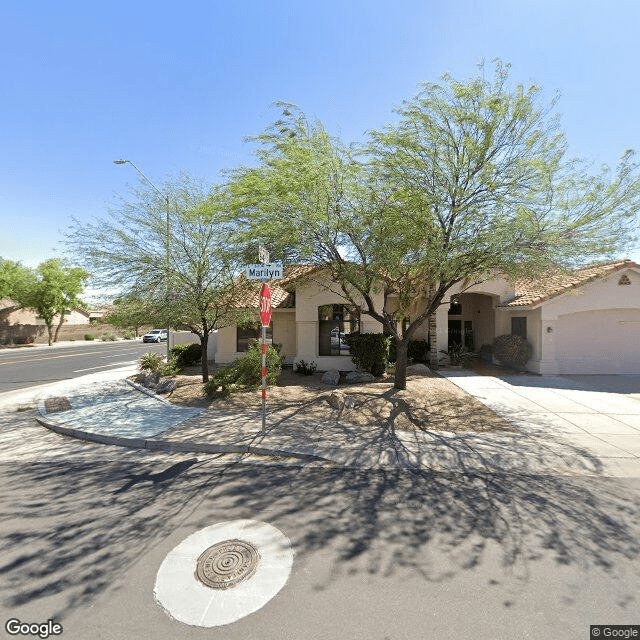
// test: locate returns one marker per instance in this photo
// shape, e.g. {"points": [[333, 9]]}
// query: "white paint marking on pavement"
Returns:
{"points": [[188, 600], [102, 366]]}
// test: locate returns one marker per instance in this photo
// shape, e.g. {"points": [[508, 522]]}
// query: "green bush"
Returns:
{"points": [[128, 335], [246, 371], [369, 351], [151, 362], [305, 368], [109, 337], [186, 355], [89, 336], [417, 350], [155, 363], [513, 351]]}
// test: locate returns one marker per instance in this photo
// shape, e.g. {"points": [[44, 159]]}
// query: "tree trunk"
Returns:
{"points": [[204, 343], [55, 337], [433, 342], [50, 331], [400, 380]]}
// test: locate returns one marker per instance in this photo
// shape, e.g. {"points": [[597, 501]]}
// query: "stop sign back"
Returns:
{"points": [[265, 305]]}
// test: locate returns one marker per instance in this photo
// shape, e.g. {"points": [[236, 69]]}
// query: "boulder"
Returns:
{"points": [[335, 400], [331, 377], [166, 386], [359, 376], [149, 380], [418, 369]]}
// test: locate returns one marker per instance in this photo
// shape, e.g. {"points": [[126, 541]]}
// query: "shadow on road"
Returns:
{"points": [[72, 529]]}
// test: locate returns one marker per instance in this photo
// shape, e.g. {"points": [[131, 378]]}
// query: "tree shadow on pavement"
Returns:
{"points": [[71, 530]]}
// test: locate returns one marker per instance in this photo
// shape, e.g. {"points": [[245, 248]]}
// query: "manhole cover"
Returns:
{"points": [[227, 563], [54, 405]]}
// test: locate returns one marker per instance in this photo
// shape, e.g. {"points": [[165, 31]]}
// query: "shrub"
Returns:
{"points": [[369, 351], [128, 335], [246, 372], [89, 336], [186, 355], [109, 337], [513, 351], [151, 362], [305, 368], [417, 350]]}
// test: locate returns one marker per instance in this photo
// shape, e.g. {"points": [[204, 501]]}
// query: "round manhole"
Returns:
{"points": [[227, 563]]}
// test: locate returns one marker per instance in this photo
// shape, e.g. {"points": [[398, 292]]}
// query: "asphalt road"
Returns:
{"points": [[30, 366], [380, 555]]}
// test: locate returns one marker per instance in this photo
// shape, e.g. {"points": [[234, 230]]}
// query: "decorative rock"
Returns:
{"points": [[335, 400], [166, 386], [359, 376], [418, 369], [149, 380], [331, 377], [350, 402]]}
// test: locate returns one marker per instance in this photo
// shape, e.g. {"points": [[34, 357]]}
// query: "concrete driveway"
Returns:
{"points": [[597, 413]]}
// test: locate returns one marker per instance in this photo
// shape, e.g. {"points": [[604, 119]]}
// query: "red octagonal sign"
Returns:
{"points": [[265, 305]]}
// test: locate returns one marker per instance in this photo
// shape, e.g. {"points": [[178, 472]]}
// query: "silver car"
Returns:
{"points": [[156, 335]]}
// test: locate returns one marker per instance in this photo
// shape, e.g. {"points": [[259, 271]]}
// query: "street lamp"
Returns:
{"points": [[166, 200]]}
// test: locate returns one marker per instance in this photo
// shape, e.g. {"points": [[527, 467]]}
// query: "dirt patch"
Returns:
{"points": [[428, 403]]}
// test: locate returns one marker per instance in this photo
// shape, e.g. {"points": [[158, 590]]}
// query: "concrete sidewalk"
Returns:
{"points": [[557, 430], [598, 415]]}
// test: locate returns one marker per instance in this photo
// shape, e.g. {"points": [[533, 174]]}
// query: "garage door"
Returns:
{"points": [[605, 341]]}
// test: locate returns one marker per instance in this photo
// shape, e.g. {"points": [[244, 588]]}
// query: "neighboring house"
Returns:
{"points": [[12, 314], [584, 322]]}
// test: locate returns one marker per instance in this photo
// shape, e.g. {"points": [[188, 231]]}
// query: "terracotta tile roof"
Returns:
{"points": [[282, 291], [533, 292]]}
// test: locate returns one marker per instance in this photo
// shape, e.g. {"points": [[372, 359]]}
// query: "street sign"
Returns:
{"points": [[272, 271], [263, 255], [265, 305]]}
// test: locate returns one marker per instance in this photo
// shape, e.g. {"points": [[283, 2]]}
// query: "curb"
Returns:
{"points": [[175, 447]]}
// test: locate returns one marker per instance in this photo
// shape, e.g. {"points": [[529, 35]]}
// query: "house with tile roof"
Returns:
{"points": [[584, 321]]}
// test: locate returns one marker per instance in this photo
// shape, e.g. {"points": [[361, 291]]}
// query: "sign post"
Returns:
{"points": [[265, 319]]}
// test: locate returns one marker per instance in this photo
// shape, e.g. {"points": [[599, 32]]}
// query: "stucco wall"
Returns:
{"points": [[593, 329]]}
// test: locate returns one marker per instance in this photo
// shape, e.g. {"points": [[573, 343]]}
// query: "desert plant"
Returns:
{"points": [[457, 354], [186, 355], [246, 371], [305, 368], [151, 362], [89, 336], [128, 335], [109, 337], [512, 350]]}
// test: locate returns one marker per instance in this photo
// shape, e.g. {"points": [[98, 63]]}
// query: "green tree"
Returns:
{"points": [[130, 312], [472, 180], [182, 271], [13, 279], [51, 290]]}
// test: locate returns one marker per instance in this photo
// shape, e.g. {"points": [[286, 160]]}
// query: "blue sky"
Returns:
{"points": [[173, 86]]}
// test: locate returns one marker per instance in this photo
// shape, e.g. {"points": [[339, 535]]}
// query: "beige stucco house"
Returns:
{"points": [[584, 322]]}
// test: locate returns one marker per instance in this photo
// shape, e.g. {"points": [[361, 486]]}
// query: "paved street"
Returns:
{"points": [[28, 366], [386, 554]]}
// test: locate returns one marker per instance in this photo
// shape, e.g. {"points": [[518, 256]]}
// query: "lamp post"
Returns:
{"points": [[166, 200]]}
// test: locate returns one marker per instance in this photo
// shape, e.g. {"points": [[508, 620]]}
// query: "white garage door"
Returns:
{"points": [[599, 341]]}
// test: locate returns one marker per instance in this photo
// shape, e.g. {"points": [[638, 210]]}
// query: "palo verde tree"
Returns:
{"points": [[51, 291], [472, 180], [182, 272]]}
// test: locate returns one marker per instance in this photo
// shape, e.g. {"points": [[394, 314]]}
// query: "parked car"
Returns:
{"points": [[156, 335]]}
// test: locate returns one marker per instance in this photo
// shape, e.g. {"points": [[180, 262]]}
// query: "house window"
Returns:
{"points": [[624, 280], [245, 335], [335, 321], [519, 327]]}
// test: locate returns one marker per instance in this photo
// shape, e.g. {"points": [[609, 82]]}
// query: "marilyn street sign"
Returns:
{"points": [[271, 271]]}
